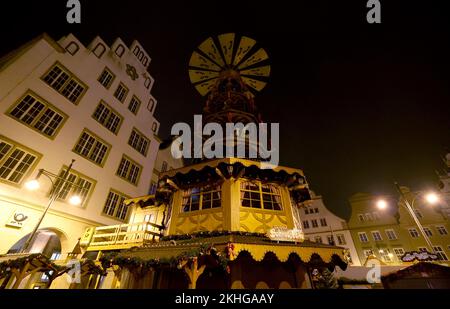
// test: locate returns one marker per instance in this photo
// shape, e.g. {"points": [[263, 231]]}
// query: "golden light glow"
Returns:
{"points": [[432, 198], [75, 200], [382, 204], [32, 185]]}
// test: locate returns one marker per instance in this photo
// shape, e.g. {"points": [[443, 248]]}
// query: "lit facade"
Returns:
{"points": [[60, 100], [322, 226]]}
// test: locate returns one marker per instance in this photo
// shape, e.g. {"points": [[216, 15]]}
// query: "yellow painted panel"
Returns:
{"points": [[227, 44], [261, 71], [259, 56], [205, 87], [210, 49], [255, 84], [245, 45], [199, 61], [200, 75]]}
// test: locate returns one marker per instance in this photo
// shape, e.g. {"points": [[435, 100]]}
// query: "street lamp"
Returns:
{"points": [[431, 198], [62, 181]]}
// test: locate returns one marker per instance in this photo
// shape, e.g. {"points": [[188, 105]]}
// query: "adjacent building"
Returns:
{"points": [[322, 226], [61, 100]]}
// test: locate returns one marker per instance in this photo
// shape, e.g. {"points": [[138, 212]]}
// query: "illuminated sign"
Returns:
{"points": [[282, 233], [17, 219], [419, 256]]}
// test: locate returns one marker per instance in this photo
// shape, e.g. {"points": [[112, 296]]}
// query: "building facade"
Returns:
{"points": [[390, 233], [322, 226], [59, 101]]}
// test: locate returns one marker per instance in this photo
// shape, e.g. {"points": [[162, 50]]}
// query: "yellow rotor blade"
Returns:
{"points": [[227, 44], [259, 56], [253, 83], [261, 71], [199, 75], [205, 87], [199, 61], [209, 49], [244, 47]]}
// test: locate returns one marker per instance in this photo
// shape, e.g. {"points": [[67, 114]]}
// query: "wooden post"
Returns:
{"points": [[193, 272]]}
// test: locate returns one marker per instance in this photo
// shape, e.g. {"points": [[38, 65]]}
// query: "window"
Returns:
{"points": [[376, 216], [134, 105], [92, 148], [72, 48], [440, 253], [38, 115], [75, 184], [386, 255], [361, 217], [318, 239], [15, 161], [154, 127], [151, 105], [306, 211], [376, 236], [106, 78], [258, 195], [391, 234], [399, 252], [422, 249], [201, 198], [441, 230], [99, 50], [418, 213], [316, 210], [330, 239], [368, 253], [129, 170], [120, 50], [369, 217], [427, 232], [147, 81], [306, 224], [108, 117], [413, 232], [121, 92], [363, 237], [153, 187], [323, 222], [114, 205], [164, 167], [65, 83], [340, 239], [314, 223], [139, 142]]}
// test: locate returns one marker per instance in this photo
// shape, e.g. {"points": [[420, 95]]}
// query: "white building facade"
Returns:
{"points": [[322, 226], [59, 101]]}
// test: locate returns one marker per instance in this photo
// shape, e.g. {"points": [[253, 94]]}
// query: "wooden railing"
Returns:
{"points": [[123, 236]]}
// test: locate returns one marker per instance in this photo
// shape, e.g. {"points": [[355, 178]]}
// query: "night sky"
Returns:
{"points": [[359, 105]]}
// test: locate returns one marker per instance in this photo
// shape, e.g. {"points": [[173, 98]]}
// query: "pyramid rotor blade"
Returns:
{"points": [[227, 44], [199, 61], [200, 75], [263, 71], [253, 83], [205, 87], [245, 45], [259, 56], [210, 49]]}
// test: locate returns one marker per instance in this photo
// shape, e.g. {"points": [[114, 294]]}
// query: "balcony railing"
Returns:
{"points": [[123, 236]]}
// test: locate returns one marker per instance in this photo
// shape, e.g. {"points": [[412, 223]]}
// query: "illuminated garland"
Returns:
{"points": [[7, 266], [206, 234]]}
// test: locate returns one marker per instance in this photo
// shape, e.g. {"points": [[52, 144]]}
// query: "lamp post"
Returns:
{"points": [[55, 192], [431, 198]]}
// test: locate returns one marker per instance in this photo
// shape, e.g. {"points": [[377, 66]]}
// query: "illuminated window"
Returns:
{"points": [[341, 239], [306, 224], [318, 239], [129, 170], [385, 254], [139, 142], [38, 114], [361, 218], [391, 234], [363, 237], [323, 222], [259, 195], [368, 253], [413, 232], [399, 252], [134, 105], [106, 78], [15, 161], [440, 253], [201, 198], [314, 223], [121, 92], [427, 232], [330, 239], [109, 118], [75, 184], [65, 83], [442, 230], [92, 148], [376, 236], [114, 205]]}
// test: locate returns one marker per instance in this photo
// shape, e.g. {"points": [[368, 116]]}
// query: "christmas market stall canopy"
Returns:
{"points": [[226, 168]]}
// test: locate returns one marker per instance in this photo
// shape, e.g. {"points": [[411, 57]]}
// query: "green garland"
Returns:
{"points": [[206, 234], [133, 263], [7, 266]]}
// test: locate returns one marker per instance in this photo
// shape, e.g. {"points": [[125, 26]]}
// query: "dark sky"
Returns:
{"points": [[359, 105]]}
